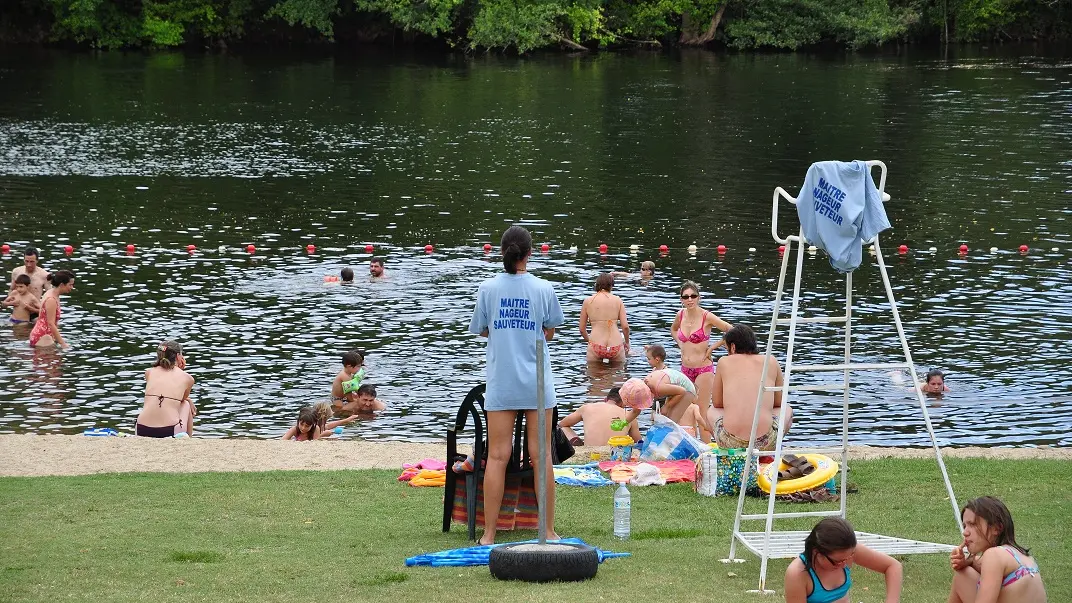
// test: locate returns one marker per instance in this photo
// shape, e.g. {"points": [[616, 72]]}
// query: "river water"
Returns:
{"points": [[165, 150]]}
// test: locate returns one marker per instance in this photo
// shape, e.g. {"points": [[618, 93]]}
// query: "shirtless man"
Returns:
{"points": [[38, 275], [596, 417], [733, 402], [375, 268]]}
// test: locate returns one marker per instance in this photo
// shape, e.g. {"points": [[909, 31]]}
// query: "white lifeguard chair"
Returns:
{"points": [[770, 543]]}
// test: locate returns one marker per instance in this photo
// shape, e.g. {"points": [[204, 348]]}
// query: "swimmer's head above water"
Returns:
{"points": [[934, 382], [347, 275], [647, 269]]}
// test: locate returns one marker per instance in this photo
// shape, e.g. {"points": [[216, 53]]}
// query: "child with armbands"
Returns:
{"points": [[348, 381]]}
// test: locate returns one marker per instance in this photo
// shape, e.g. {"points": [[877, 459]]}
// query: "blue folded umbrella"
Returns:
{"points": [[478, 555]]}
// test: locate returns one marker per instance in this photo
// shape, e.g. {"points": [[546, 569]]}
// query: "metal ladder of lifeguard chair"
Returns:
{"points": [[787, 544]]}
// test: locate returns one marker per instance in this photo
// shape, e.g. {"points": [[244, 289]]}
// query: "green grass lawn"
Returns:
{"points": [[300, 536]]}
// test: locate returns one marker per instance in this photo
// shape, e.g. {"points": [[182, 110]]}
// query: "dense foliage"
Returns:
{"points": [[525, 25]]}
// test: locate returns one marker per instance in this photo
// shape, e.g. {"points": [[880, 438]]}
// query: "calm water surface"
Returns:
{"points": [[166, 150]]}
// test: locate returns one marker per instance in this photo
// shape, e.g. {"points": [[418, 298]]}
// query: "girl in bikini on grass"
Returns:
{"points": [[605, 311], [168, 409], [692, 331], [996, 568]]}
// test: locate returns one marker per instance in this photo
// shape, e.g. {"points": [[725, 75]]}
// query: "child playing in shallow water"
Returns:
{"points": [[23, 303], [352, 363], [323, 412], [305, 428]]}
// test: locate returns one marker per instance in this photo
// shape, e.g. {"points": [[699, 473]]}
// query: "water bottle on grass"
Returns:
{"points": [[622, 507]]}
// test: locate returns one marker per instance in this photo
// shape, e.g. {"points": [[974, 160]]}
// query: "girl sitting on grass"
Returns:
{"points": [[996, 569], [821, 573]]}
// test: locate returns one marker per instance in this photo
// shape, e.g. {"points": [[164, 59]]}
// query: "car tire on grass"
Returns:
{"points": [[549, 562]]}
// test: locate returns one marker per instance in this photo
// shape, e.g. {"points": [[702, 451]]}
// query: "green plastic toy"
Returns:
{"points": [[618, 424], [351, 386]]}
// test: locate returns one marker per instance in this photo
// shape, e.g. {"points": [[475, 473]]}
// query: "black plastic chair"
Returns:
{"points": [[518, 465]]}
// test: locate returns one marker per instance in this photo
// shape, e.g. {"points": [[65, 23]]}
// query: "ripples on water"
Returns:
{"points": [[671, 151]]}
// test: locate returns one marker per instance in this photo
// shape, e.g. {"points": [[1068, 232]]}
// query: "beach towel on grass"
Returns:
{"points": [[478, 555], [580, 475], [671, 471]]}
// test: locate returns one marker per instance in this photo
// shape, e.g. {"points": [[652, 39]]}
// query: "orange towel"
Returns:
{"points": [[429, 477]]}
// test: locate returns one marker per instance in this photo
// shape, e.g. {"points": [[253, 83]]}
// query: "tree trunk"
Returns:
{"points": [[689, 37], [570, 43]]}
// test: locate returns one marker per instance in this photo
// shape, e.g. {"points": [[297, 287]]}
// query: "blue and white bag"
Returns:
{"points": [[668, 441]]}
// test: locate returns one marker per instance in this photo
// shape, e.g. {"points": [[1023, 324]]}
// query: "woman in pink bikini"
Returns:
{"points": [[168, 409], [692, 331], [605, 311], [46, 331], [996, 568]]}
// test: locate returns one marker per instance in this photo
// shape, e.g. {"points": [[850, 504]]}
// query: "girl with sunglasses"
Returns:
{"points": [[692, 331], [821, 573]]}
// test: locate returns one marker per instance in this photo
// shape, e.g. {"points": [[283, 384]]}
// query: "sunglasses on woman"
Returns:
{"points": [[688, 296]]}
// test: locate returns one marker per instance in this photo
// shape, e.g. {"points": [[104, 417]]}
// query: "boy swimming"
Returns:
{"points": [[352, 363]]}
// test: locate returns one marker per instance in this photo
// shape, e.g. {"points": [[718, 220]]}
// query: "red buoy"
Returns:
{"points": [[1023, 248], [545, 248], [902, 249], [369, 249], [781, 249], [964, 249], [722, 249], [251, 249], [191, 248], [68, 249], [5, 248], [428, 249], [130, 248], [310, 248], [487, 247], [602, 248], [663, 248]]}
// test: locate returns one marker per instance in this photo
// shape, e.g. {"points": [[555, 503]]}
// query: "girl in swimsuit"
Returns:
{"points": [[692, 331], [996, 568], [307, 426], [46, 331], [821, 573], [168, 409], [604, 311]]}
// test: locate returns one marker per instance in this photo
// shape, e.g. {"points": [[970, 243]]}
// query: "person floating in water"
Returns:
{"points": [[376, 269], [352, 365], [934, 384]]}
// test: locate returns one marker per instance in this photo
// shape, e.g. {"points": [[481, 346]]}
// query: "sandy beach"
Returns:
{"points": [[37, 455]]}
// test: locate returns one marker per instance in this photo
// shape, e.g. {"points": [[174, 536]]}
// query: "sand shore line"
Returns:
{"points": [[25, 455]]}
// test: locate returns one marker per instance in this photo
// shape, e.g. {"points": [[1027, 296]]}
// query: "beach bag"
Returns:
{"points": [[668, 441], [719, 472]]}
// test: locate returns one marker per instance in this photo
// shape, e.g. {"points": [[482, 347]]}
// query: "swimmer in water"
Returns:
{"points": [[347, 275], [352, 362], [934, 384], [365, 401], [647, 271]]}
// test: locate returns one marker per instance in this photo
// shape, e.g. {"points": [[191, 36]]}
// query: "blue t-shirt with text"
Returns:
{"points": [[839, 208], [515, 309]]}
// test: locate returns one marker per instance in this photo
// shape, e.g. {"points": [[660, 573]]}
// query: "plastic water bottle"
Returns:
{"points": [[622, 507]]}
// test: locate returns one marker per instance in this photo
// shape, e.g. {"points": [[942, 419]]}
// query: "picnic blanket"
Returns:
{"points": [[581, 475], [479, 555], [672, 471]]}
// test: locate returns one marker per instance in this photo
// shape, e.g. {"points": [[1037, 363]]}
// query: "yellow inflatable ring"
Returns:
{"points": [[825, 468]]}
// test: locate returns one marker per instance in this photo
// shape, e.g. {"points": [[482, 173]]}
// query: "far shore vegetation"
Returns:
{"points": [[344, 536], [526, 25]]}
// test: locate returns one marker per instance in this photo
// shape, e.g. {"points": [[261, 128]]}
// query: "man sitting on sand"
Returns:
{"points": [[733, 402], [597, 417]]}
